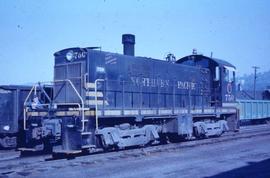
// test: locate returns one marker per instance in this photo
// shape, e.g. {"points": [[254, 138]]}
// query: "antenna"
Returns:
{"points": [[194, 51]]}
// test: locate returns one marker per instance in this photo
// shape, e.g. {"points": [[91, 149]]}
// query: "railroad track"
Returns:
{"points": [[245, 132], [15, 164], [6, 155]]}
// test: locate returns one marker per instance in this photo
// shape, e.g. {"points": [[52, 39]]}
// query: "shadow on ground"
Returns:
{"points": [[252, 170]]}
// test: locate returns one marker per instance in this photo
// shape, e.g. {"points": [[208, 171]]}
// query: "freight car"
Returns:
{"points": [[254, 111], [11, 113], [109, 101]]}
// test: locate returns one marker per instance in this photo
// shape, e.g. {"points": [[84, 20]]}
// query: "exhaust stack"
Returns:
{"points": [[128, 41]]}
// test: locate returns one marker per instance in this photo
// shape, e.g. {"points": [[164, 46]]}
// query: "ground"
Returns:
{"points": [[245, 157]]}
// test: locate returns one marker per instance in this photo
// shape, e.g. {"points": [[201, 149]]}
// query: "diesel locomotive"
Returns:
{"points": [[104, 100]]}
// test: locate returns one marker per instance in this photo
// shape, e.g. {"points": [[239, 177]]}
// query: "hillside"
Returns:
{"points": [[247, 81]]}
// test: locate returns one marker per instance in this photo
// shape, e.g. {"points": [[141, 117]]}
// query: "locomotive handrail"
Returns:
{"points": [[188, 93], [72, 104], [79, 96], [45, 93], [96, 103], [77, 93], [24, 109]]}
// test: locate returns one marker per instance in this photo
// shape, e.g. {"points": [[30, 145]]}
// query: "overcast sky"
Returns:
{"points": [[32, 30]]}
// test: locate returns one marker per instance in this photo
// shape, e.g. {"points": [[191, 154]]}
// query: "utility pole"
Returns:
{"points": [[255, 78]]}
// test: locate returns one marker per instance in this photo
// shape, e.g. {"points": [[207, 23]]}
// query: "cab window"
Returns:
{"points": [[229, 74]]}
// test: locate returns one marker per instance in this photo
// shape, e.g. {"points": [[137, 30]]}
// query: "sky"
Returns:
{"points": [[32, 31]]}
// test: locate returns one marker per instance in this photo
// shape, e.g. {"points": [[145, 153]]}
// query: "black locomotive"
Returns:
{"points": [[108, 100]]}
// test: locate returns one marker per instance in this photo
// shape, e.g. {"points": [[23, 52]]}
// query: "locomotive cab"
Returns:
{"points": [[222, 77], [228, 83]]}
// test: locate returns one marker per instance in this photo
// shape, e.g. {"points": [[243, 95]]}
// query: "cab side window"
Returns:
{"points": [[229, 74]]}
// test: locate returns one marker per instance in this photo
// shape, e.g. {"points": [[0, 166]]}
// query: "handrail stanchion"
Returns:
{"points": [[189, 101], [174, 97], [96, 101], [24, 109], [123, 97]]}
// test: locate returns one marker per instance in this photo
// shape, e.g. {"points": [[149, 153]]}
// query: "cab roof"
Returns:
{"points": [[219, 62]]}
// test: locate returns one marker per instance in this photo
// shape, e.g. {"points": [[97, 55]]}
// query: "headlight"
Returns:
{"points": [[6, 127], [69, 55]]}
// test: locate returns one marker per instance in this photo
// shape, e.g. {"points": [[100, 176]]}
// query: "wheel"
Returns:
{"points": [[199, 135]]}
